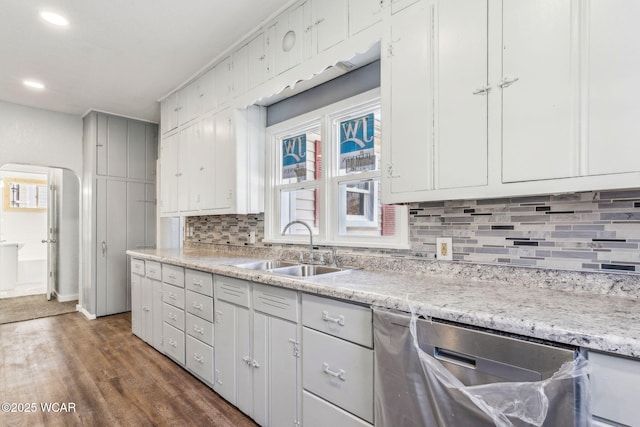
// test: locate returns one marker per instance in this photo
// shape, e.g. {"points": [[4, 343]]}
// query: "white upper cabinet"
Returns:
{"points": [[224, 173], [363, 14], [539, 115], [613, 111], [257, 62], [239, 71], [169, 113], [169, 174], [201, 94], [434, 62], [292, 37], [223, 81], [186, 104], [329, 23]]}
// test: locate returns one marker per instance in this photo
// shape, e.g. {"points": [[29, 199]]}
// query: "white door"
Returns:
{"points": [[52, 233]]}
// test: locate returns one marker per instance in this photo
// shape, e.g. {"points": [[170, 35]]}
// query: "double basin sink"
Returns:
{"points": [[291, 268]]}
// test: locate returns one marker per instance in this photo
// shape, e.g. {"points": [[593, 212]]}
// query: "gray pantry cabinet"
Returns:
{"points": [[119, 179]]}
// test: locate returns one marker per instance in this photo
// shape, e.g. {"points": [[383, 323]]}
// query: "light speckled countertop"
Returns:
{"points": [[601, 321]]}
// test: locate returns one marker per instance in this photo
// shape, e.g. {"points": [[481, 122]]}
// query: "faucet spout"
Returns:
{"points": [[286, 227]]}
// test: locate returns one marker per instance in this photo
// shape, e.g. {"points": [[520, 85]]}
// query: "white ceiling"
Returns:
{"points": [[117, 56]]}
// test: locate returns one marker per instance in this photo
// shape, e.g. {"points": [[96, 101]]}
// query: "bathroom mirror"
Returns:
{"points": [[24, 194]]}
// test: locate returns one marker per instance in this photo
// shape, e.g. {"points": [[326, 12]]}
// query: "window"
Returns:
{"points": [[324, 170]]}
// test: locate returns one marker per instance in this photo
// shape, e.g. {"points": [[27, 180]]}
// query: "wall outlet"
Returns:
{"points": [[444, 248], [252, 237]]}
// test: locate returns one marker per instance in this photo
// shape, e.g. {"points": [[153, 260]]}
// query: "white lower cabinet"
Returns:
{"points": [[146, 302], [337, 362], [615, 386], [320, 413], [257, 353], [173, 297]]}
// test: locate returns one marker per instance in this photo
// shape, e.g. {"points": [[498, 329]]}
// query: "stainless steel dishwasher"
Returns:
{"points": [[520, 373]]}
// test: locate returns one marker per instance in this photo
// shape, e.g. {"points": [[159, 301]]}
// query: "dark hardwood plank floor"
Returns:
{"points": [[104, 375]]}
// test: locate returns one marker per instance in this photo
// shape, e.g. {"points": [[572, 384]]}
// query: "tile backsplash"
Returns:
{"points": [[589, 231]]}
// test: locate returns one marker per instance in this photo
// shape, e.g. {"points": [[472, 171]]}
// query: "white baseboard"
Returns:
{"points": [[85, 312], [66, 298]]}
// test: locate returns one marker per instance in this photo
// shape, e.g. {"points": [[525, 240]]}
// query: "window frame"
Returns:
{"points": [[329, 183]]}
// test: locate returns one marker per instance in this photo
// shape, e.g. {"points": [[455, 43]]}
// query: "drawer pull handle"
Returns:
{"points": [[152, 271], [197, 283], [172, 276], [339, 320], [172, 295], [337, 374], [198, 330], [197, 306], [147, 309], [172, 343], [173, 317], [247, 360], [198, 358]]}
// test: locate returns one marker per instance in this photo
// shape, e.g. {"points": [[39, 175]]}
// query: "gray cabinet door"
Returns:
{"points": [[276, 389], [156, 310], [111, 245]]}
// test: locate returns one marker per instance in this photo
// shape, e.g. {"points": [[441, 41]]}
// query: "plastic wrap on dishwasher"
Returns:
{"points": [[414, 389]]}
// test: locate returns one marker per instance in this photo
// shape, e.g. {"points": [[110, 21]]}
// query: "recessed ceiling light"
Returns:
{"points": [[54, 18], [33, 84]]}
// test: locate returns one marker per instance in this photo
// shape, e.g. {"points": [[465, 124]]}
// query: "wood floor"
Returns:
{"points": [[99, 367]]}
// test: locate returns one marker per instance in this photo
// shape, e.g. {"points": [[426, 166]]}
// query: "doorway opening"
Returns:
{"points": [[39, 232]]}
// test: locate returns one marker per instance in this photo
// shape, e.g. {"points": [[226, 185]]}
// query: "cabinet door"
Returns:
{"points": [[169, 174], [136, 215], [239, 71], [137, 150], [146, 299], [156, 310], [225, 161], [187, 141], [293, 32], [226, 354], [184, 105], [111, 153], [539, 128], [329, 22], [398, 5], [136, 306], [460, 70], [206, 86], [150, 215], [256, 61], [613, 69], [205, 168], [112, 290], [363, 14], [169, 119], [151, 151], [276, 390], [407, 115], [223, 81]]}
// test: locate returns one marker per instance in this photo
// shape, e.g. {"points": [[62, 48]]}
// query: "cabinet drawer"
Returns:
{"points": [[173, 275], [338, 371], [200, 329], [615, 387], [235, 291], [153, 270], [173, 343], [173, 295], [137, 267], [318, 412], [199, 358], [173, 316], [341, 319], [279, 302], [200, 305], [199, 281]]}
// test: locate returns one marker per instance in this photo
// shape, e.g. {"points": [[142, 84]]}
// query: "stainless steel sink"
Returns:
{"points": [[266, 264], [306, 270]]}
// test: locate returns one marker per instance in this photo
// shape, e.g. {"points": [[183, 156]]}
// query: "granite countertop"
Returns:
{"points": [[599, 321]]}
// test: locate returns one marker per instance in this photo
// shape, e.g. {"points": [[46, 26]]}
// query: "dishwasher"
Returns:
{"points": [[445, 375]]}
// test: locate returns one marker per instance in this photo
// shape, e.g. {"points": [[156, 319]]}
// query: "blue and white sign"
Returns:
{"points": [[357, 144], [294, 157]]}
